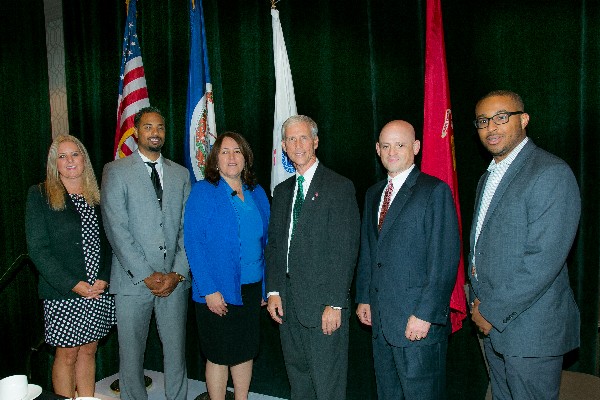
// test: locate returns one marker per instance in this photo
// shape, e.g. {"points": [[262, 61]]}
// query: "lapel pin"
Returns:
{"points": [[316, 195]]}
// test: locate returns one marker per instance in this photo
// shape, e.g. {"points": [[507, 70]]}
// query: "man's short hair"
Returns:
{"points": [[294, 119], [507, 93], [145, 110]]}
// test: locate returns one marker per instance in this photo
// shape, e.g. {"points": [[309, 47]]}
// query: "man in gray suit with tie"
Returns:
{"points": [[311, 255], [409, 255], [526, 216], [143, 197]]}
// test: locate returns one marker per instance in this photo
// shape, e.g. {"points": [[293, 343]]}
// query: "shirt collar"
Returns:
{"points": [[145, 159], [399, 179], [510, 158], [308, 175]]}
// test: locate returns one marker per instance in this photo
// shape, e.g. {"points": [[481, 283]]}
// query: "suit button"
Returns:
{"points": [[378, 265], [377, 290], [161, 224], [160, 247]]}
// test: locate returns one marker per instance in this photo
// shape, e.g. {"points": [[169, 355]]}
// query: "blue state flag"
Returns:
{"points": [[200, 125]]}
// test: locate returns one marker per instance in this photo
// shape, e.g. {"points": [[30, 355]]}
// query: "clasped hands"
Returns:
{"points": [[88, 291], [160, 284]]}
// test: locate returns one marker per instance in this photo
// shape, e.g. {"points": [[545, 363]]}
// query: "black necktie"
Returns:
{"points": [[155, 178]]}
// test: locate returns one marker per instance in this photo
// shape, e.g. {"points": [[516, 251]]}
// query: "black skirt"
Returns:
{"points": [[233, 338]]}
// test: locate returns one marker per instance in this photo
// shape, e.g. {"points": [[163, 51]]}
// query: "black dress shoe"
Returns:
{"points": [[116, 389], [205, 396]]}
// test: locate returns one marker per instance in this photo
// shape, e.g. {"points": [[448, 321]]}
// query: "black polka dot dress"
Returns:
{"points": [[74, 322]]}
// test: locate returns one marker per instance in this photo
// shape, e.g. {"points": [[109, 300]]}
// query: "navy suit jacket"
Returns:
{"points": [[522, 279], [409, 268], [322, 255]]}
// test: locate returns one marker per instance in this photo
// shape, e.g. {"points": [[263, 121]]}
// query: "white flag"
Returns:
{"points": [[285, 103]]}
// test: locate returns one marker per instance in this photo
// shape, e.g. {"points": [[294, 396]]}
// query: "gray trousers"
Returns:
{"points": [[523, 378], [133, 320]]}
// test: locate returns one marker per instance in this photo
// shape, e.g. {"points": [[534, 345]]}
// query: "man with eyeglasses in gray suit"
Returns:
{"points": [[526, 215]]}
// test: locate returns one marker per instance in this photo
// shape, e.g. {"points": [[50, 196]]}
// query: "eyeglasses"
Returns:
{"points": [[499, 119]]}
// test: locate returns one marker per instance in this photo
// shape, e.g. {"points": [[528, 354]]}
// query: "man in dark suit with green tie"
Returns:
{"points": [[311, 255]]}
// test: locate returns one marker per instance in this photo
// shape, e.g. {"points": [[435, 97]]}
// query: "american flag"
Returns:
{"points": [[133, 94]]}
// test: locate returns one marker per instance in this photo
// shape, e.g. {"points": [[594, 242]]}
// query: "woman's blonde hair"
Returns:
{"points": [[55, 190]]}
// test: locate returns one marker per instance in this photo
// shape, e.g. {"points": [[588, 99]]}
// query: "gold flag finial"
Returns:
{"points": [[273, 2], [193, 4], [126, 7]]}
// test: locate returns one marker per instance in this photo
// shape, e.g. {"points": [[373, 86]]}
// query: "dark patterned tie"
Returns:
{"points": [[387, 197], [298, 203], [155, 178]]}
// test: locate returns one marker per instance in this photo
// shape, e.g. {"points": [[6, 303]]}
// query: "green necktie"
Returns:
{"points": [[298, 203]]}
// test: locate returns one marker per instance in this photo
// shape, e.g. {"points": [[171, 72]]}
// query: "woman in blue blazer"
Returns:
{"points": [[66, 242], [225, 233]]}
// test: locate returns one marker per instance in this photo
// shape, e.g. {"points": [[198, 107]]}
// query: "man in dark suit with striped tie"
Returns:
{"points": [[409, 254], [311, 255]]}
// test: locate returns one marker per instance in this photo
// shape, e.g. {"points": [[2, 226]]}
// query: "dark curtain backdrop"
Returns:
{"points": [[356, 65], [25, 112]]}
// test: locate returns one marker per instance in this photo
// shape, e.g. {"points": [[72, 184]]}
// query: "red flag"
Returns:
{"points": [[438, 137]]}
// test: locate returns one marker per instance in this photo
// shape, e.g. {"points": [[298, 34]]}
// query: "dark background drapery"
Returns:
{"points": [[25, 113], [356, 65]]}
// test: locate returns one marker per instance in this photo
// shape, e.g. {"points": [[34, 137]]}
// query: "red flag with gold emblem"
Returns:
{"points": [[438, 157]]}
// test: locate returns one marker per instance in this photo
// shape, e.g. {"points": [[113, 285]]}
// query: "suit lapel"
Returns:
{"points": [[140, 170], [510, 174], [288, 194], [399, 201], [168, 183], [375, 206], [311, 197], [478, 195]]}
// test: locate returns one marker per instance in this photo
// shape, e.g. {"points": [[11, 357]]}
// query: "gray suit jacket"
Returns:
{"points": [[522, 279], [409, 268], [136, 226], [322, 255]]}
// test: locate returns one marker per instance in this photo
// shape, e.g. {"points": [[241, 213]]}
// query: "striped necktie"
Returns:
{"points": [[387, 199]]}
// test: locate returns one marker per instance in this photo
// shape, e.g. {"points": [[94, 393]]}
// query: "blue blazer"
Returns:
{"points": [[54, 245], [409, 268], [212, 242], [522, 279]]}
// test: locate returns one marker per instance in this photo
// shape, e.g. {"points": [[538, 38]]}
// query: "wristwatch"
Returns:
{"points": [[181, 277]]}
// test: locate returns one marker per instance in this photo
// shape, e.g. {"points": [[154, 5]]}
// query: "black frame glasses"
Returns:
{"points": [[498, 118]]}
